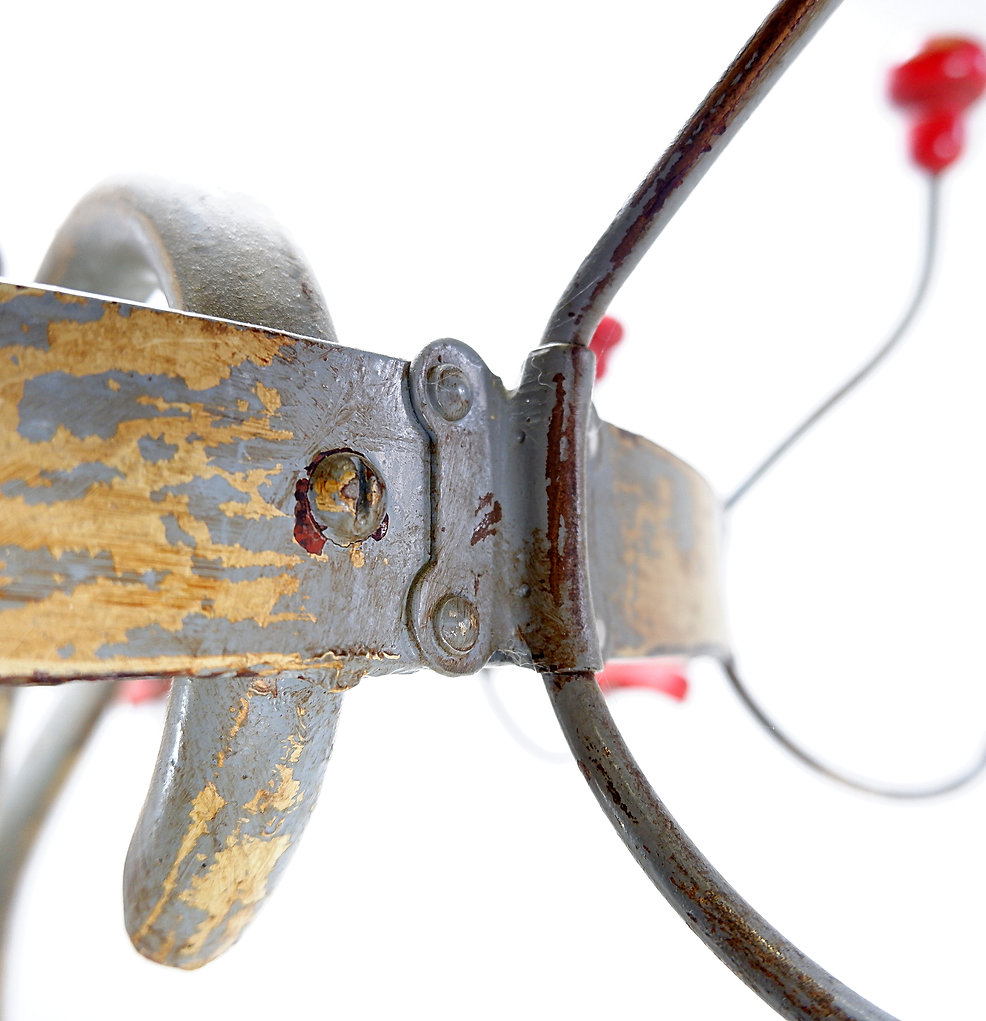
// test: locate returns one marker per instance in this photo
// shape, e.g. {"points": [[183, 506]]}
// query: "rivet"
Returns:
{"points": [[346, 497], [456, 623], [449, 391]]}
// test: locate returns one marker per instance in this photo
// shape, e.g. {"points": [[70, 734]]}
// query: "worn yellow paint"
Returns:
{"points": [[205, 808], [239, 719], [137, 343], [257, 662], [200, 912], [269, 398], [667, 591], [237, 878], [356, 555], [228, 891], [282, 798], [119, 517]]}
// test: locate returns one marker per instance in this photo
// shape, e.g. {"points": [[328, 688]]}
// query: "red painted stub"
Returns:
{"points": [[661, 675], [936, 88], [144, 689], [608, 334]]}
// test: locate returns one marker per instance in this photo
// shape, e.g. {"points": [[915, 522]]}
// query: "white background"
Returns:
{"points": [[445, 167]]}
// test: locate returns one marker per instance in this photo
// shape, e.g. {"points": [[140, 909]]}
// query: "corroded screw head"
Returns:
{"points": [[449, 391], [347, 497], [456, 623]]}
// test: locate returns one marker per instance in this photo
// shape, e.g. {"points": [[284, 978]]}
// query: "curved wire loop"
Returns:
{"points": [[883, 790], [729, 667], [787, 29], [794, 985], [873, 362]]}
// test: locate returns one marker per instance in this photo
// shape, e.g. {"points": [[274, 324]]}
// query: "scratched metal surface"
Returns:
{"points": [[225, 810], [670, 530], [153, 478], [150, 467]]}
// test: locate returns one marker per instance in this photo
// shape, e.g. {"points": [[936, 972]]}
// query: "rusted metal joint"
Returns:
{"points": [[508, 575]]}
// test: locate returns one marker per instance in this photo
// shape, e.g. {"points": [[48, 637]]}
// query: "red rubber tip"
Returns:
{"points": [[935, 88], [608, 334], [144, 689], [662, 675]]}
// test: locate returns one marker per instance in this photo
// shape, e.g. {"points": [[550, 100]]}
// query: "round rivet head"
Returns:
{"points": [[449, 391], [456, 623], [347, 497]]}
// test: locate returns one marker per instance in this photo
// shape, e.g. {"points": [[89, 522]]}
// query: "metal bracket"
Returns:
{"points": [[508, 574]]}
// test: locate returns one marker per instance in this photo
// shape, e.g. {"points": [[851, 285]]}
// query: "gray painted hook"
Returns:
{"points": [[241, 759]]}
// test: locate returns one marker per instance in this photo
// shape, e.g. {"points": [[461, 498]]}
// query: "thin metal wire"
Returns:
{"points": [[786, 30], [907, 320], [867, 786], [794, 985], [729, 666], [512, 727]]}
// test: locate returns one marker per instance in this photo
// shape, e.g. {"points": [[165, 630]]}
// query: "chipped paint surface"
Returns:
{"points": [[251, 774], [655, 548], [204, 809], [148, 462]]}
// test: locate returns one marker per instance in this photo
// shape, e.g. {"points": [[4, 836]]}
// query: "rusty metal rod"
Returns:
{"points": [[743, 940], [788, 27]]}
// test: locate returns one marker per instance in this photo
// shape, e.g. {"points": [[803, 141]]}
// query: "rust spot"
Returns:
{"points": [[560, 473], [306, 533], [486, 527], [343, 498]]}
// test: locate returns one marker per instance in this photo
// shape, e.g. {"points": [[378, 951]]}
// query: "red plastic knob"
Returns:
{"points": [[608, 334], [935, 88], [665, 676]]}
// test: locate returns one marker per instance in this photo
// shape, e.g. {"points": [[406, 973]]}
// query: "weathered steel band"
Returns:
{"points": [[152, 474], [149, 466], [654, 550], [774, 968]]}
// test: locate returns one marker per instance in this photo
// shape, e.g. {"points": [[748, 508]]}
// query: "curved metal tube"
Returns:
{"points": [[209, 252], [747, 80], [235, 783], [775, 969], [241, 760]]}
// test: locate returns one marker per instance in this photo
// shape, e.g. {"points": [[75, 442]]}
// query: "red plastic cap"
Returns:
{"points": [[144, 689], [935, 88], [664, 676], [608, 334]]}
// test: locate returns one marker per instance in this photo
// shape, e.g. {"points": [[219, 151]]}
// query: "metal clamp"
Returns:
{"points": [[509, 569]]}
